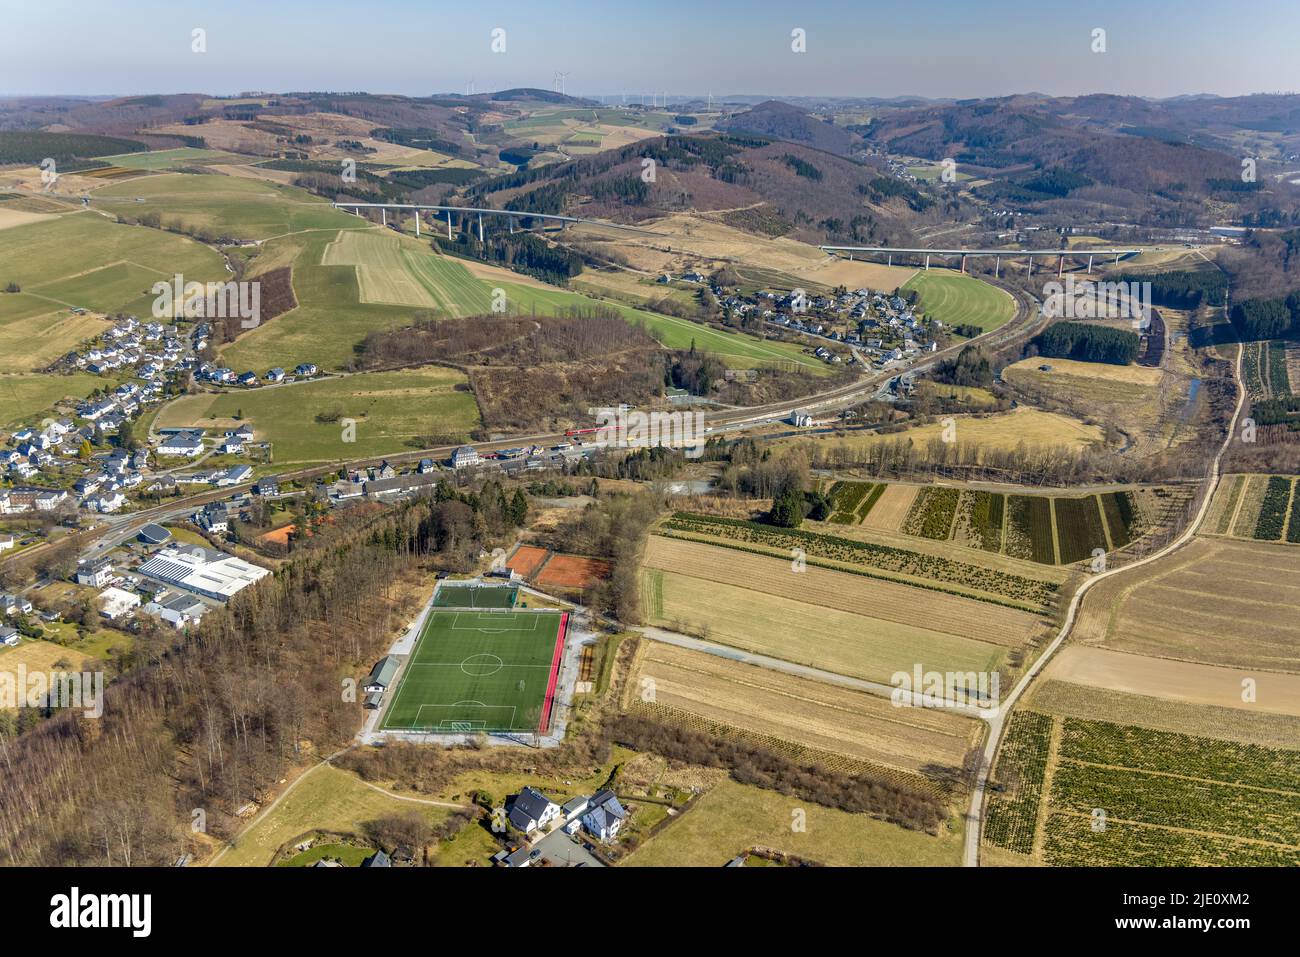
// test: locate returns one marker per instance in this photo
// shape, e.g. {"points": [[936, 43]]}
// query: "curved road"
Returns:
{"points": [[997, 724]]}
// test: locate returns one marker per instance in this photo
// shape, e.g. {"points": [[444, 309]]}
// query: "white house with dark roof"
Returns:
{"points": [[532, 810], [14, 605], [178, 610], [572, 812], [96, 574], [605, 816], [464, 457], [187, 443]]}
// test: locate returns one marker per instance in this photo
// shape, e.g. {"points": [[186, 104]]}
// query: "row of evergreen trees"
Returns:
{"points": [[1267, 318], [1088, 342]]}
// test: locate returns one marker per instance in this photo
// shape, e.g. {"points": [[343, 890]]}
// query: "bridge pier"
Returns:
{"points": [[510, 220], [963, 265], [1060, 266], [480, 227], [417, 224], [891, 259], [1089, 265], [927, 262], [1030, 270], [449, 225], [997, 266], [383, 215]]}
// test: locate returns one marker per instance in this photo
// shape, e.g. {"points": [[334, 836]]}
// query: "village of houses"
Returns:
{"points": [[880, 330], [76, 471]]}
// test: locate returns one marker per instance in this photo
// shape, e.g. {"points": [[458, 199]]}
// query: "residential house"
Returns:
{"points": [[523, 857], [268, 486], [47, 500], [96, 574], [187, 443], [235, 475], [9, 636], [465, 457], [14, 605], [532, 810], [572, 811], [107, 503], [605, 816], [213, 517], [163, 484]]}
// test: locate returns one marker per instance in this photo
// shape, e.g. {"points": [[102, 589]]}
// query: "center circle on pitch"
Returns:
{"points": [[481, 665]]}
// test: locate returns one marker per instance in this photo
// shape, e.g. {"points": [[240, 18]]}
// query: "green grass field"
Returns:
{"points": [[304, 422], [478, 671], [33, 339], [957, 300], [87, 260], [731, 818], [245, 208], [25, 399], [452, 595]]}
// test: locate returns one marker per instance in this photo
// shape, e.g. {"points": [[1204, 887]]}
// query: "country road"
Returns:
{"points": [[974, 816]]}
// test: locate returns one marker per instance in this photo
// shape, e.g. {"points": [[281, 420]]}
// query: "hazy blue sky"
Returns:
{"points": [[959, 48]]}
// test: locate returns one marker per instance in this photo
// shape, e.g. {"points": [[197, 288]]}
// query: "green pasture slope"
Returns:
{"points": [[391, 411], [957, 300], [86, 260], [244, 208]]}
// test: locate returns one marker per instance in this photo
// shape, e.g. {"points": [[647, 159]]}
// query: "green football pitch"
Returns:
{"points": [[480, 671], [451, 595]]}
